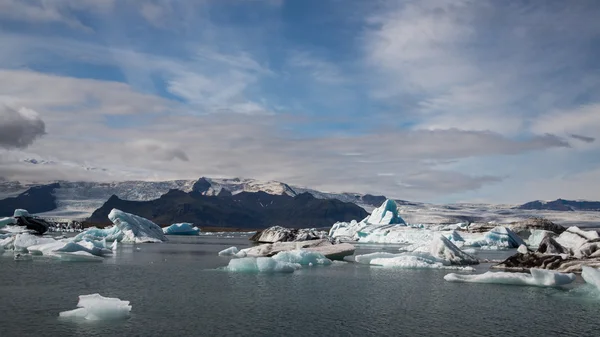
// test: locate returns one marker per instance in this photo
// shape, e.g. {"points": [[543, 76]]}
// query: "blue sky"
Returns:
{"points": [[441, 101]]}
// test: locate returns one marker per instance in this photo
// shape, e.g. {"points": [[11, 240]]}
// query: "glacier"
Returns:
{"points": [[96, 307], [181, 229], [537, 277]]}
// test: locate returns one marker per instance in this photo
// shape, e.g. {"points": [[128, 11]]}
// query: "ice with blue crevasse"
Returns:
{"points": [[96, 307], [536, 277], [181, 229]]}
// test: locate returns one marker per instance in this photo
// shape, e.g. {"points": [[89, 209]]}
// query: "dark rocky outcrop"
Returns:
{"points": [[36, 199], [242, 210]]}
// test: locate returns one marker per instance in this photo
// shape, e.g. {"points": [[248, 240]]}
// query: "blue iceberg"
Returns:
{"points": [[181, 229]]}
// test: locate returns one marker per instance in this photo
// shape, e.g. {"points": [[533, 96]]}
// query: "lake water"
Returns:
{"points": [[176, 290]]}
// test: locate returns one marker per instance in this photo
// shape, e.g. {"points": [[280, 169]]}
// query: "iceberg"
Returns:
{"points": [[7, 221], [504, 237], [78, 256], [537, 235], [523, 249], [24, 240], [406, 261], [591, 276], [112, 233], [282, 234], [231, 251], [323, 246], [386, 214], [181, 229], [302, 257], [95, 307], [135, 228], [538, 278], [260, 265], [444, 249], [21, 213]]}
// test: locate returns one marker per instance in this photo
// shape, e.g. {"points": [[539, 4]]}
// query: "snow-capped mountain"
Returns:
{"points": [[80, 199]]}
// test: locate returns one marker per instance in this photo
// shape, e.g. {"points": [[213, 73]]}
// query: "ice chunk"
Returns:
{"points": [[415, 262], [7, 221], [135, 228], [591, 276], [576, 240], [455, 237], [96, 307], [109, 234], [538, 277], [386, 214], [537, 235], [367, 258], [442, 248], [181, 229], [261, 265], [24, 240], [502, 236], [302, 257], [231, 251], [282, 234], [523, 249], [78, 256], [21, 213]]}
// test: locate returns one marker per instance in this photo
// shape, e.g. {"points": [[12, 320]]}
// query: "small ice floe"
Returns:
{"points": [[95, 307], [538, 278]]}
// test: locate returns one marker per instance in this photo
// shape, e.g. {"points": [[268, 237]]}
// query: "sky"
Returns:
{"points": [[429, 100]]}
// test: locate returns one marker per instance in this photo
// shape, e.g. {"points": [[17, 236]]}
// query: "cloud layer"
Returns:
{"points": [[425, 100]]}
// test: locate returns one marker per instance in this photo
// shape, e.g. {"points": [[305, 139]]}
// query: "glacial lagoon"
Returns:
{"points": [[179, 288]]}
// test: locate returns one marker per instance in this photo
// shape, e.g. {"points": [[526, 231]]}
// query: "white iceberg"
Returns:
{"points": [[127, 228], [537, 235], [181, 229], [591, 276], [538, 277], [386, 214], [580, 243], [302, 257], [260, 265], [502, 236], [443, 249], [7, 221], [96, 307], [135, 228], [24, 240], [231, 251], [77, 256]]}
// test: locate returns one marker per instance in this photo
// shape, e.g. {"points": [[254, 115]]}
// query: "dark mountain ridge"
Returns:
{"points": [[562, 205]]}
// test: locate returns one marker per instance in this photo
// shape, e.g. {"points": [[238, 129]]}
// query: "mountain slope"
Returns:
{"points": [[242, 210], [562, 205], [36, 199]]}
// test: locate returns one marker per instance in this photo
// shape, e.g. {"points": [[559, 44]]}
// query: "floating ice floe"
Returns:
{"points": [[96, 307], [181, 229], [302, 257], [282, 234], [591, 276], [24, 240], [440, 254], [537, 277], [323, 246], [231, 251], [261, 265]]}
